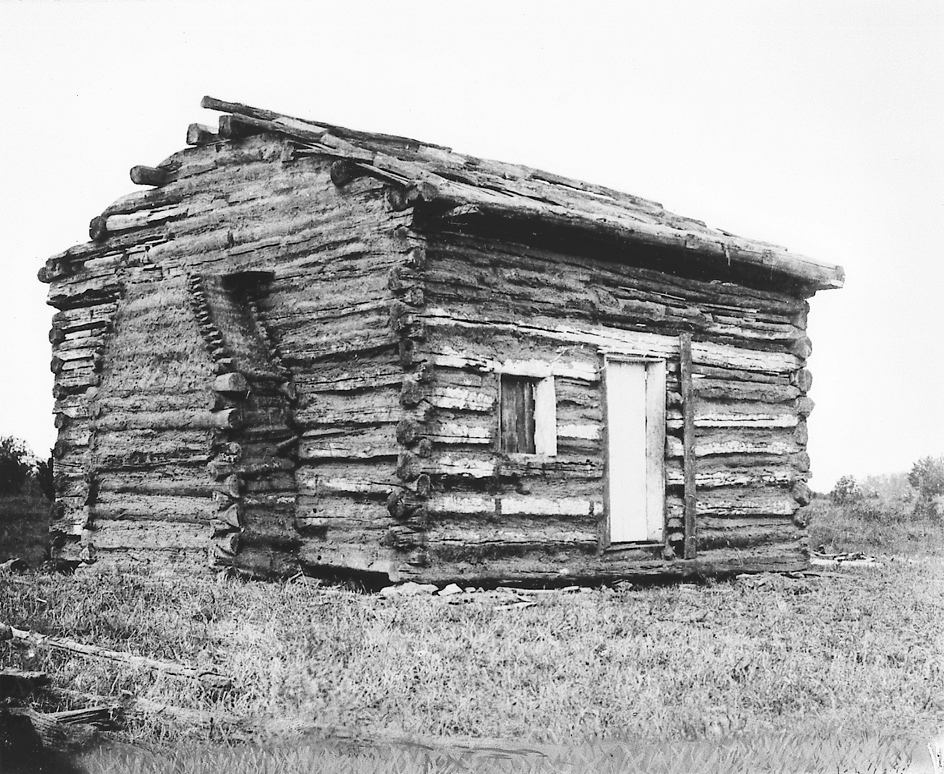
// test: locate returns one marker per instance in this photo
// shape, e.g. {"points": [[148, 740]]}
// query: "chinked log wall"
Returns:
{"points": [[489, 301], [136, 438], [392, 343]]}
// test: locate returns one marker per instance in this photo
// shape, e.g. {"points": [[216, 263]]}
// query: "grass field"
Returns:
{"points": [[851, 651], [855, 648]]}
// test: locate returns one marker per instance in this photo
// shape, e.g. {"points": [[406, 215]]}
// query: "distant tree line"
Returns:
{"points": [[19, 466], [926, 480]]}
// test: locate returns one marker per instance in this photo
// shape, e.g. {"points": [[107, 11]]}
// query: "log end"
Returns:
{"points": [[143, 175], [200, 134], [343, 171], [98, 229]]}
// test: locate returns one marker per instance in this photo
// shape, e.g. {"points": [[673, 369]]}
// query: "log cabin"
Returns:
{"points": [[304, 348]]}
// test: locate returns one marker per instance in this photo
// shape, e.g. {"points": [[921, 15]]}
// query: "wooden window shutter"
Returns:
{"points": [[516, 415]]}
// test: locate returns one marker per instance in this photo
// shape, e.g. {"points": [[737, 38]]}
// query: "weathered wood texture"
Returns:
{"points": [[270, 362], [162, 456], [458, 188], [151, 423], [208, 677], [688, 444], [494, 307]]}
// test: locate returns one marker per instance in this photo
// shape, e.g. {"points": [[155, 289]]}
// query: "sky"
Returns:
{"points": [[818, 126]]}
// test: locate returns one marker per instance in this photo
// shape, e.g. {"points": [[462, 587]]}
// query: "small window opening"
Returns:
{"points": [[527, 415], [517, 414]]}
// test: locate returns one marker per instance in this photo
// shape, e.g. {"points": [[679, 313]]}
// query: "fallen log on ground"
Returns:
{"points": [[208, 677], [231, 725]]}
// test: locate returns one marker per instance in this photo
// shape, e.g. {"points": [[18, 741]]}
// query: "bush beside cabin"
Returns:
{"points": [[306, 347]]}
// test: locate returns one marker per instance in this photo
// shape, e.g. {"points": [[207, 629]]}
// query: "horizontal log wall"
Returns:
{"points": [[334, 316], [490, 304], [153, 423], [392, 344]]}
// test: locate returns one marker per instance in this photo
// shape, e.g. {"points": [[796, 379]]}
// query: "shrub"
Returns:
{"points": [[42, 473], [927, 477], [846, 491], [16, 464]]}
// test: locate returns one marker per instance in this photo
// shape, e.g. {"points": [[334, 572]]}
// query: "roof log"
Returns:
{"points": [[144, 175], [200, 134]]}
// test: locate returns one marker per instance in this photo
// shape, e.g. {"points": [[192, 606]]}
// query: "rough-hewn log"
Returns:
{"points": [[613, 340], [83, 291], [739, 470], [732, 373], [229, 419], [143, 175], [152, 534], [231, 382], [736, 414], [200, 134], [115, 501], [740, 441], [802, 348], [143, 218], [98, 229], [208, 677], [235, 127], [211, 103], [737, 501], [782, 556], [343, 171], [144, 200], [230, 725], [358, 557], [728, 389], [742, 533], [167, 480], [801, 433], [803, 380], [802, 493]]}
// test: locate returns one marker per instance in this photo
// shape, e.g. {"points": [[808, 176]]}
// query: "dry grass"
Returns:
{"points": [[877, 525], [856, 650], [860, 650]]}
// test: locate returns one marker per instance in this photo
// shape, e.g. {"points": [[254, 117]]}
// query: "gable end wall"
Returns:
{"points": [[328, 315]]}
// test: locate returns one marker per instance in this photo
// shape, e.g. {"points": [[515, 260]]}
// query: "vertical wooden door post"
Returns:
{"points": [[688, 441]]}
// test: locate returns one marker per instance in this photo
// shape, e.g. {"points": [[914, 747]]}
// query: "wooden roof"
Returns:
{"points": [[459, 188], [465, 186]]}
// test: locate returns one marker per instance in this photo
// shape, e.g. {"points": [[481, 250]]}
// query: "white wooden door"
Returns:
{"points": [[635, 415]]}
